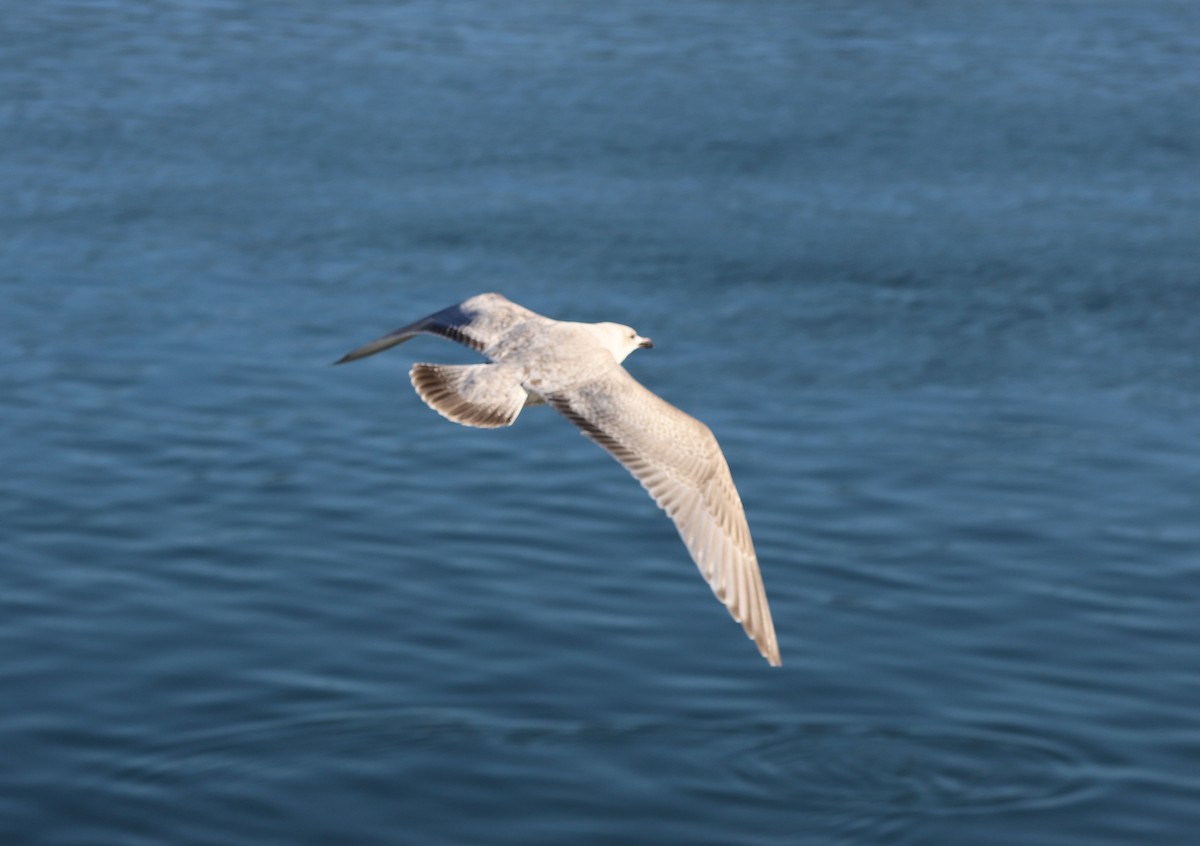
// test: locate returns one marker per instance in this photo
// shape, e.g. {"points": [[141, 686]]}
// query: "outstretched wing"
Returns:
{"points": [[477, 323], [678, 460]]}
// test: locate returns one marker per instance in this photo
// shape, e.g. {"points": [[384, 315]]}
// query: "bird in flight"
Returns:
{"points": [[575, 368]]}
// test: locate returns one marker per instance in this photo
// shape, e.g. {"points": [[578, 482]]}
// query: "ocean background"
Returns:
{"points": [[930, 270]]}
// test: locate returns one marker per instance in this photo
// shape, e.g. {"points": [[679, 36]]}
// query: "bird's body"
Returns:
{"points": [[576, 369]]}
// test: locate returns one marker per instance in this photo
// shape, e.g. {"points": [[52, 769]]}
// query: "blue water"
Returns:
{"points": [[928, 269]]}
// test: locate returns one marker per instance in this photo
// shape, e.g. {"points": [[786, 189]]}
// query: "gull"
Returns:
{"points": [[575, 368]]}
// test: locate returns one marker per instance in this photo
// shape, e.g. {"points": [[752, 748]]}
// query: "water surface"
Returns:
{"points": [[927, 269]]}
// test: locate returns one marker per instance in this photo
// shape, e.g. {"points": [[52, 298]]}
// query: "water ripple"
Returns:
{"points": [[846, 768], [934, 770]]}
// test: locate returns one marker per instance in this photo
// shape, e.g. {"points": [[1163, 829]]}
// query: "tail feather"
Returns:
{"points": [[487, 396]]}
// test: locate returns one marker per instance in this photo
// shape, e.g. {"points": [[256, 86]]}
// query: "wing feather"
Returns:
{"points": [[478, 323], [679, 462]]}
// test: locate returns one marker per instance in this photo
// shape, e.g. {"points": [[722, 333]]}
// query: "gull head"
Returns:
{"points": [[618, 339]]}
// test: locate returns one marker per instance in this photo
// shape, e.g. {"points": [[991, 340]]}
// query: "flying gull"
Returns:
{"points": [[576, 369]]}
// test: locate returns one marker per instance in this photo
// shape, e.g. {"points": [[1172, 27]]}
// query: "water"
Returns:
{"points": [[928, 270]]}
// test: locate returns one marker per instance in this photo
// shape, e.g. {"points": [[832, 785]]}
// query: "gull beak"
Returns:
{"points": [[644, 343]]}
